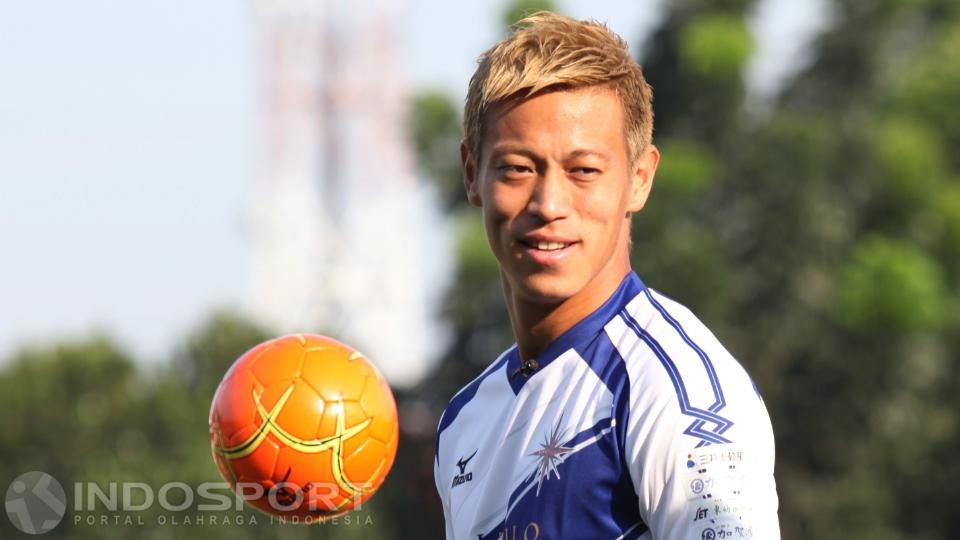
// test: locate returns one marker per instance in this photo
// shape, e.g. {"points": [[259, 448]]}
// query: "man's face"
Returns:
{"points": [[556, 188]]}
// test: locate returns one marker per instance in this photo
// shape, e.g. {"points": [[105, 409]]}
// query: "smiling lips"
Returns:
{"points": [[550, 246], [546, 251]]}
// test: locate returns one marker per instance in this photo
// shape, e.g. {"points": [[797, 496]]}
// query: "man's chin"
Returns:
{"points": [[546, 290]]}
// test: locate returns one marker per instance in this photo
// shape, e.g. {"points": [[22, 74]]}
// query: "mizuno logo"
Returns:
{"points": [[462, 463], [464, 476]]}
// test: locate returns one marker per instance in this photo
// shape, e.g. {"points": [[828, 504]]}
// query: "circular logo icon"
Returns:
{"points": [[35, 502], [696, 486]]}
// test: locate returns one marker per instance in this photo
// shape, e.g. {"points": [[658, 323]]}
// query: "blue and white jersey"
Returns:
{"points": [[637, 424]]}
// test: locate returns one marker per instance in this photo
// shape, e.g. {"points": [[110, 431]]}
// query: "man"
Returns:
{"points": [[617, 414]]}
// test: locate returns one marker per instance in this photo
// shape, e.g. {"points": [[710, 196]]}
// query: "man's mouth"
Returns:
{"points": [[547, 251], [548, 246]]}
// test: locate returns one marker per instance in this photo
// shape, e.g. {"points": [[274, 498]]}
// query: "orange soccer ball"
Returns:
{"points": [[304, 427]]}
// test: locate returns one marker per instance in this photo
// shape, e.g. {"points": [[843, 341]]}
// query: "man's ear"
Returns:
{"points": [[469, 165], [641, 177]]}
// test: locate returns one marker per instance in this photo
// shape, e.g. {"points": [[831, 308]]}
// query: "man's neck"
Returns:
{"points": [[536, 325]]}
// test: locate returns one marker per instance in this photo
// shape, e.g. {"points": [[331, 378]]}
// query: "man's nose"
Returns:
{"points": [[551, 197]]}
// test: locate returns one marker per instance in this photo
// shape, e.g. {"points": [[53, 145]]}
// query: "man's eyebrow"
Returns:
{"points": [[586, 153], [498, 151], [519, 150]]}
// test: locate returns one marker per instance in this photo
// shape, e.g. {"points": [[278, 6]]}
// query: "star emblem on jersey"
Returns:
{"points": [[551, 454]]}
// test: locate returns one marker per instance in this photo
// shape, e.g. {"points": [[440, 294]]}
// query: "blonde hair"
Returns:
{"points": [[548, 51]]}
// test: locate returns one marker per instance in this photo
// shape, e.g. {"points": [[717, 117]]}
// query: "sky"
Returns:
{"points": [[126, 149]]}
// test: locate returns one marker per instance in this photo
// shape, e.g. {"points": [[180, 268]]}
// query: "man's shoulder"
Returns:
{"points": [[666, 330], [668, 350], [680, 374]]}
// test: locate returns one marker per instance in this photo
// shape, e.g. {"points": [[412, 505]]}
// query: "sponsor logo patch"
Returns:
{"points": [[464, 476]]}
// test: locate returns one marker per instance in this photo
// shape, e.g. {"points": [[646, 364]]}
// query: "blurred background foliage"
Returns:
{"points": [[818, 236]]}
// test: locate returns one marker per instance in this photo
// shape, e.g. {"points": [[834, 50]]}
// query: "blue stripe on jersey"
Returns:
{"points": [[605, 360], [702, 416], [720, 402], [590, 325], [460, 400], [711, 372]]}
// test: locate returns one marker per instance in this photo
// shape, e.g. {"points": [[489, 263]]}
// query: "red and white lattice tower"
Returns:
{"points": [[336, 221]]}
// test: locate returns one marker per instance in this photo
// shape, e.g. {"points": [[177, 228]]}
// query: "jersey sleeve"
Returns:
{"points": [[448, 524], [447, 518], [697, 479]]}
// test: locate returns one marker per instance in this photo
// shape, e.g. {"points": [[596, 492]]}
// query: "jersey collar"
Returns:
{"points": [[578, 333]]}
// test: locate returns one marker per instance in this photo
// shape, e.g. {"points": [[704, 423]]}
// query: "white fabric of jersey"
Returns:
{"points": [[636, 424]]}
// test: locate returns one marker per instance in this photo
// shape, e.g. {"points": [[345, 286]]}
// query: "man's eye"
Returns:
{"points": [[585, 171], [514, 169]]}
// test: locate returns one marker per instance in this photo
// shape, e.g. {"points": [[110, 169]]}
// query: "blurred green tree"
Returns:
{"points": [[825, 235]]}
